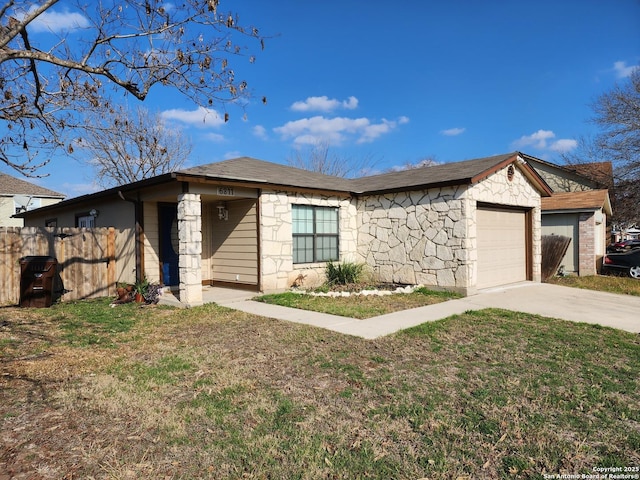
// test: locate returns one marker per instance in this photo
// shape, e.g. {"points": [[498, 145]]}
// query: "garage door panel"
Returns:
{"points": [[502, 247]]}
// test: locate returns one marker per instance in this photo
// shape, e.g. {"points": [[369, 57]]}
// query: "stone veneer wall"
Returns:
{"points": [[429, 237], [416, 237], [276, 235], [190, 248]]}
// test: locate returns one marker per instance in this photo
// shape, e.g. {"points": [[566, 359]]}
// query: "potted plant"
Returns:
{"points": [[141, 287]]}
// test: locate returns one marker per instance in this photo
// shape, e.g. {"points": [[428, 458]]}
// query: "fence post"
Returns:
{"points": [[111, 261]]}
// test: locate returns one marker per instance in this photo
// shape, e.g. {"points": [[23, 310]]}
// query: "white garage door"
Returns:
{"points": [[502, 247]]}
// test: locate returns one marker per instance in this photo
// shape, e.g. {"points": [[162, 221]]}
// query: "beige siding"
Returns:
{"points": [[207, 241], [7, 208], [234, 243], [151, 242]]}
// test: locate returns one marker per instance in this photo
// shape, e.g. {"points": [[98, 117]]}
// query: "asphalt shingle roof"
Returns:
{"points": [[253, 170], [601, 172], [14, 186], [583, 200], [457, 173]]}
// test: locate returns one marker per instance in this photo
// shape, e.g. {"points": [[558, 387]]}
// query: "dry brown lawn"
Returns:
{"points": [[87, 391]]}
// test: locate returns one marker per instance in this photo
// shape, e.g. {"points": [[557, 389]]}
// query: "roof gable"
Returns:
{"points": [[596, 175]]}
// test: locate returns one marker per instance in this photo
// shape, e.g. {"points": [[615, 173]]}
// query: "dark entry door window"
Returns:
{"points": [[168, 225]]}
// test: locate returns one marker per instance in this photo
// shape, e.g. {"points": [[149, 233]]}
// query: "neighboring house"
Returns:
{"points": [[581, 216], [17, 196], [579, 209], [631, 234], [264, 226]]}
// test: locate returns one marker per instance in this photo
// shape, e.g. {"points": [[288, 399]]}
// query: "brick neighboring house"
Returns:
{"points": [[17, 196], [579, 208]]}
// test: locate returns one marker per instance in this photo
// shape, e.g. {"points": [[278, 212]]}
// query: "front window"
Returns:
{"points": [[85, 221], [315, 234]]}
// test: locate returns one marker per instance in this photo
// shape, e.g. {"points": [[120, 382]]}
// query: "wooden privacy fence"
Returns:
{"points": [[86, 260], [554, 248]]}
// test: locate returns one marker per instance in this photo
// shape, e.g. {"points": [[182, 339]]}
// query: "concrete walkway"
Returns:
{"points": [[607, 309]]}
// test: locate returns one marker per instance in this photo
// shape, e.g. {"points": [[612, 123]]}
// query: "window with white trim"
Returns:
{"points": [[85, 221], [315, 234]]}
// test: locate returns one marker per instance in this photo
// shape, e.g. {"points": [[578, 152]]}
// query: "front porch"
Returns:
{"points": [[220, 295]]}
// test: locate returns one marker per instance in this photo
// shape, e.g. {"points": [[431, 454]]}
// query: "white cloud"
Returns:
{"points": [[336, 130], [260, 132], [324, 104], [77, 189], [564, 145], [371, 132], [214, 137], [200, 117], [622, 70], [541, 140], [536, 140], [50, 21], [452, 132]]}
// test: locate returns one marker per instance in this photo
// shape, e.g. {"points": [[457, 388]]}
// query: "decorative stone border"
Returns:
{"points": [[363, 293]]}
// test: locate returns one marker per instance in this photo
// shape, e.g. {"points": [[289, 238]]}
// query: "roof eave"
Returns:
{"points": [[140, 184], [254, 183], [571, 210], [413, 188]]}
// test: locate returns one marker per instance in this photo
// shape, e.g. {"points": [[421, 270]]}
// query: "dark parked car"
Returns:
{"points": [[628, 262], [623, 246]]}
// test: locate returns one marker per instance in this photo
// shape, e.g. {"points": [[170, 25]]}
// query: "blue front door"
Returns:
{"points": [[168, 224]]}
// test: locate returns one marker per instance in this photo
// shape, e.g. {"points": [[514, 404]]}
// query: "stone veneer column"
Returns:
{"points": [[190, 248]]}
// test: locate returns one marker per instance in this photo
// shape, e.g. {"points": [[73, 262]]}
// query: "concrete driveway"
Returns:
{"points": [[578, 305], [575, 304]]}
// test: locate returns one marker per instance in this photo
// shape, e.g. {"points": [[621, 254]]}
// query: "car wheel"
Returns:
{"points": [[634, 271]]}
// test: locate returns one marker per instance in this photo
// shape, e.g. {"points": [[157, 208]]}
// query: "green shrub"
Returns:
{"points": [[344, 273]]}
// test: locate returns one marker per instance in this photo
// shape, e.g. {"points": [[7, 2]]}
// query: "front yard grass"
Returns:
{"points": [[359, 306], [605, 283], [208, 392]]}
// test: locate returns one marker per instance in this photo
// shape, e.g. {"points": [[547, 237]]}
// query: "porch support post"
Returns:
{"points": [[190, 248]]}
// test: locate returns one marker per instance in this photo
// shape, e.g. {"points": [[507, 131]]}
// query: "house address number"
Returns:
{"points": [[227, 191]]}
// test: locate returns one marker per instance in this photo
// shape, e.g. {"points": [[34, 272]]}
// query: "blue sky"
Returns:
{"points": [[401, 81]]}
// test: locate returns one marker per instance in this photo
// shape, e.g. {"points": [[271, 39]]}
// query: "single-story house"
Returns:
{"points": [[579, 208], [250, 223], [17, 195]]}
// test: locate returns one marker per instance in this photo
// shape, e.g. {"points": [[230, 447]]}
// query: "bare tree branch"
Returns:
{"points": [[319, 158], [51, 74], [132, 145], [617, 113]]}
